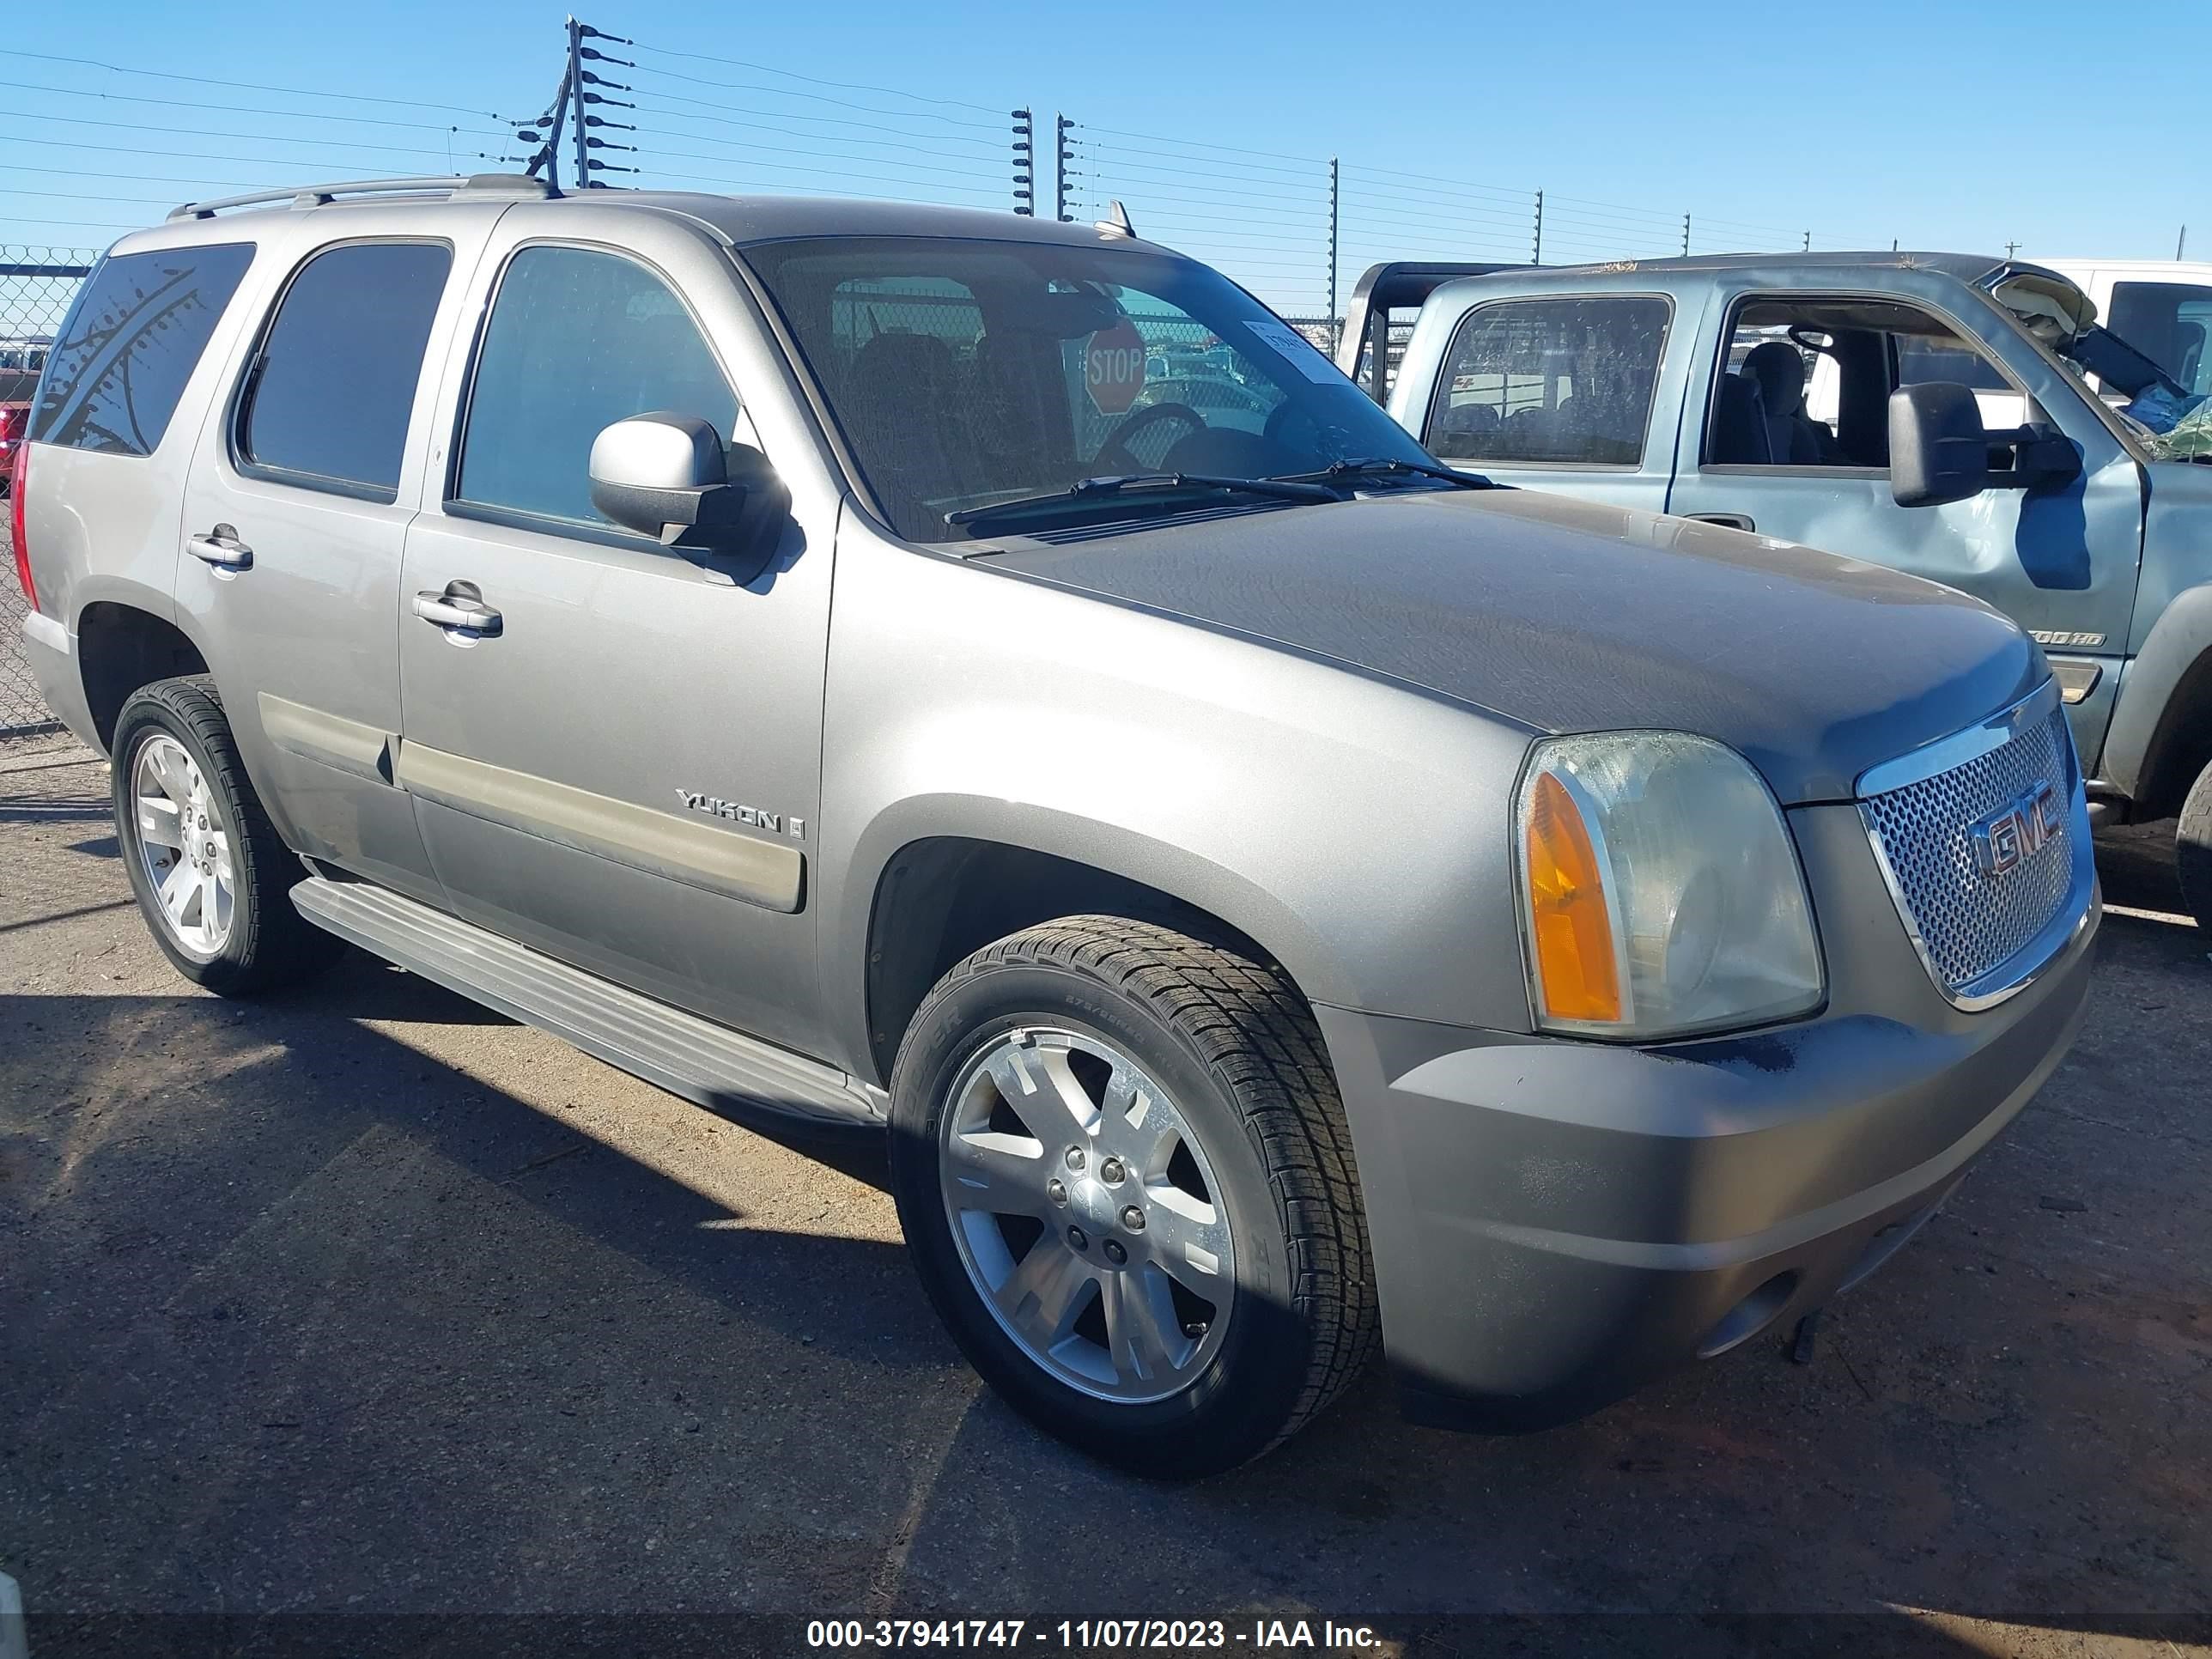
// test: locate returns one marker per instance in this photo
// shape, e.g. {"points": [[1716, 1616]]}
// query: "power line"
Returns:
{"points": [[199, 155], [980, 168], [821, 98], [247, 86], [129, 177], [972, 181], [247, 109], [1162, 138], [812, 120], [811, 80]]}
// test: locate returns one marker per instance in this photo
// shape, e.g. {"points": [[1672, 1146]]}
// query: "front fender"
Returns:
{"points": [[1357, 829], [2169, 679]]}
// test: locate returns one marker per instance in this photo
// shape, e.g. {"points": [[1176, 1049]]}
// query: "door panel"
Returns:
{"points": [[291, 582], [625, 772]]}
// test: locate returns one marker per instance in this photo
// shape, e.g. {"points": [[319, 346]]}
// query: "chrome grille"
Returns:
{"points": [[1969, 924]]}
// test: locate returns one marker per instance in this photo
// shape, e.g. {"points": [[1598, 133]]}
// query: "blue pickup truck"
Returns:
{"points": [[1958, 417]]}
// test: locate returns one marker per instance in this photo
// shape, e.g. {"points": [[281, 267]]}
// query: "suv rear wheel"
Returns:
{"points": [[2193, 850], [1124, 1172], [209, 871]]}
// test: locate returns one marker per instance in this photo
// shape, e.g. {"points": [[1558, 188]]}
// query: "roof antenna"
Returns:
{"points": [[1116, 223]]}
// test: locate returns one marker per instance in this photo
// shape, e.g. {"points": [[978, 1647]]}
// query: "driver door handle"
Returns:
{"points": [[453, 609], [1727, 520], [221, 547]]}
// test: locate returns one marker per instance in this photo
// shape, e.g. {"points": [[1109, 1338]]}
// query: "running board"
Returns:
{"points": [[709, 1064]]}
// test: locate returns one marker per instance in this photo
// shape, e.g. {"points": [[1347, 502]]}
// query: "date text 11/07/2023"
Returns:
{"points": [[1155, 1635]]}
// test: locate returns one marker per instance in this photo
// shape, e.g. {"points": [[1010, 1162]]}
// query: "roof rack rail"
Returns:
{"points": [[508, 186]]}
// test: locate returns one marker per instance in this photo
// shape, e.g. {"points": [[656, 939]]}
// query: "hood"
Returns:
{"points": [[1570, 616]]}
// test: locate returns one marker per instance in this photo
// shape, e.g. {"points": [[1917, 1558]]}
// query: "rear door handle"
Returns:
{"points": [[456, 608], [1727, 520], [221, 547]]}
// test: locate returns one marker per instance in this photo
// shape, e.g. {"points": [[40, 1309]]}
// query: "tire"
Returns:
{"points": [[2192, 850], [235, 943], [1241, 1156]]}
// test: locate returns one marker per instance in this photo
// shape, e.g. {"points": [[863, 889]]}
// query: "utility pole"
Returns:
{"points": [[1331, 246], [1024, 163], [2182, 243], [1061, 172], [1808, 242], [576, 94], [2011, 248], [551, 153], [1536, 255], [1686, 236]]}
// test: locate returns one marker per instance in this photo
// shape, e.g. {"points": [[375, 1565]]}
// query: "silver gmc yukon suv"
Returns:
{"points": [[995, 682]]}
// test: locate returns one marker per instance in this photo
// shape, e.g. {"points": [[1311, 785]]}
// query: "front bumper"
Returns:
{"points": [[1557, 1223]]}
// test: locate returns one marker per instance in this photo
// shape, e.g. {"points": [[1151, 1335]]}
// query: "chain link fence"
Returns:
{"points": [[37, 285]]}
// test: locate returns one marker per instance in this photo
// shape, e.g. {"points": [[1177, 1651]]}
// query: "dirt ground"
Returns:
{"points": [[363, 1302]]}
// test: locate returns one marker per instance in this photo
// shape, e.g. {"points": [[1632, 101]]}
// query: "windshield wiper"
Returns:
{"points": [[1091, 490], [1382, 467]]}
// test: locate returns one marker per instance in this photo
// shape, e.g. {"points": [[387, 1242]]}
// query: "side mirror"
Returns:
{"points": [[1938, 452], [668, 476]]}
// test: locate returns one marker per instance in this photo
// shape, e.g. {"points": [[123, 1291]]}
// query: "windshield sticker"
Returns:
{"points": [[1304, 356], [1114, 368]]}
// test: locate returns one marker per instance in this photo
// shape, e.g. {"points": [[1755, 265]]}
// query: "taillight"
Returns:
{"points": [[15, 477]]}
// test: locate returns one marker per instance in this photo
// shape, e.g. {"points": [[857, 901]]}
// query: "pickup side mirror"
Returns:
{"points": [[1937, 450], [667, 476]]}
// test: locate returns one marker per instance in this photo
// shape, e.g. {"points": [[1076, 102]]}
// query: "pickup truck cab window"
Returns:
{"points": [[578, 339], [1551, 382], [326, 398], [968, 371], [1810, 377]]}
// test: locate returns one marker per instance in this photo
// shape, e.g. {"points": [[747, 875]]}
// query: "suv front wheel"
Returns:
{"points": [[1124, 1171], [210, 874]]}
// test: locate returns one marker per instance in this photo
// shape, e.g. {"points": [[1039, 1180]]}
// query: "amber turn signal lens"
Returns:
{"points": [[1577, 971]]}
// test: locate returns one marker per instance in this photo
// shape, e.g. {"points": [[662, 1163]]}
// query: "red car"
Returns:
{"points": [[14, 418], [15, 390]]}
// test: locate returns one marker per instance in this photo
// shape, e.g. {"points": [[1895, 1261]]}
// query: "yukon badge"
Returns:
{"points": [[2005, 839], [715, 806]]}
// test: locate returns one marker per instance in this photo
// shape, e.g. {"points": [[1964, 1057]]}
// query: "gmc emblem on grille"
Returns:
{"points": [[2005, 840]]}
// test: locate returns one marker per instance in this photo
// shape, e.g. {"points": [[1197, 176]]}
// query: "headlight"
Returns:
{"points": [[1660, 891]]}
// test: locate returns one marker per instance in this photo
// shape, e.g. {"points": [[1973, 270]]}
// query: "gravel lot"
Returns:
{"points": [[362, 1300]]}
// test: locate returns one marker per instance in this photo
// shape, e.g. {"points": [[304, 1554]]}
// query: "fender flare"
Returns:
{"points": [[2148, 714], [1243, 903]]}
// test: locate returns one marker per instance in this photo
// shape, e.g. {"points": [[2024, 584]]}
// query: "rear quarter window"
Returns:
{"points": [[130, 343], [1566, 381]]}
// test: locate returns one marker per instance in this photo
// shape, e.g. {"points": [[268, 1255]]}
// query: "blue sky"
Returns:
{"points": [[2068, 130]]}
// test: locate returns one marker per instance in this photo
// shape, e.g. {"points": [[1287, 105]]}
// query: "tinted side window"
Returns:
{"points": [[130, 342], [1560, 380], [577, 341], [334, 384]]}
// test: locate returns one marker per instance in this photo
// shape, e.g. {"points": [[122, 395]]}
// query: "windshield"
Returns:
{"points": [[964, 372]]}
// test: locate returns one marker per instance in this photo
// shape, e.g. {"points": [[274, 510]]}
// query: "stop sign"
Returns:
{"points": [[1114, 368]]}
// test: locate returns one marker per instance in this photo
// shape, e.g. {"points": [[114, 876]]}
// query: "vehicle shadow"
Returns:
{"points": [[359, 1296]]}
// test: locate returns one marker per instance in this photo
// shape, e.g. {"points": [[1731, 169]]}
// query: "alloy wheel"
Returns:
{"points": [[184, 847], [1086, 1214]]}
